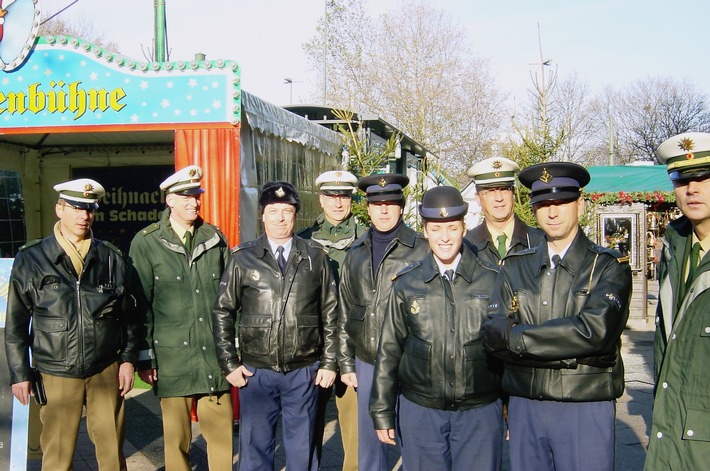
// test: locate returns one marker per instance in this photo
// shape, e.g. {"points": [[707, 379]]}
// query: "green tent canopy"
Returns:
{"points": [[628, 178]]}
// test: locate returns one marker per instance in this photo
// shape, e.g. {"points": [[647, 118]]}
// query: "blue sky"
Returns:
{"points": [[605, 42]]}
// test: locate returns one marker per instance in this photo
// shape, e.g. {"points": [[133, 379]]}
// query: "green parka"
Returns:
{"points": [[178, 293], [680, 435]]}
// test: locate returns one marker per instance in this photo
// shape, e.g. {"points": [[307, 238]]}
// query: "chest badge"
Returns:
{"points": [[514, 305], [414, 308], [255, 275]]}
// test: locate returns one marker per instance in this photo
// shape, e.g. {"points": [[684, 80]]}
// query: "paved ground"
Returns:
{"points": [[144, 445]]}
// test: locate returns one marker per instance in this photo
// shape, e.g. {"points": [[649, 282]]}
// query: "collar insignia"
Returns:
{"points": [[545, 177], [280, 192], [255, 275], [414, 308]]}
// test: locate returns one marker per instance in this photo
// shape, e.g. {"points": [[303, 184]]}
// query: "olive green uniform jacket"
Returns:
{"points": [[178, 291], [680, 435], [523, 238], [335, 239]]}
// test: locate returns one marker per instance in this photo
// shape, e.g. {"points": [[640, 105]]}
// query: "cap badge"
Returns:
{"points": [[338, 174], [414, 308], [88, 188], [687, 145], [545, 177], [280, 192], [382, 182], [497, 174], [497, 164], [192, 172], [443, 212]]}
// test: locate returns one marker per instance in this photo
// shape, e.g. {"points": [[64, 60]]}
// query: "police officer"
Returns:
{"points": [[678, 438], [278, 298], [450, 412], [336, 228], [69, 303], [365, 284], [501, 232], [557, 315], [179, 261]]}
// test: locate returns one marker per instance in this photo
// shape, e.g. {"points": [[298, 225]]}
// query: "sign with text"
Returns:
{"points": [[133, 200], [70, 82]]}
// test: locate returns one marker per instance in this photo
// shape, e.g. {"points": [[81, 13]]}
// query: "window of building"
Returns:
{"points": [[12, 214]]}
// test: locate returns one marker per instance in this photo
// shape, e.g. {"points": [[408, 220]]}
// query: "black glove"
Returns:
{"points": [[603, 361], [495, 332]]}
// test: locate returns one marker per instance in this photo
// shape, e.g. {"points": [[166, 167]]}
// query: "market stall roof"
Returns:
{"points": [[628, 178]]}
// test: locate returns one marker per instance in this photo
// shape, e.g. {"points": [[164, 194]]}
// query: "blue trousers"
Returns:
{"points": [[561, 436], [451, 440], [371, 453], [266, 395]]}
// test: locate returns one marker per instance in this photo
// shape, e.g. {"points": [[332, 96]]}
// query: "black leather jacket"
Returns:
{"points": [[523, 238], [362, 299], [80, 325], [566, 346], [431, 341], [282, 322]]}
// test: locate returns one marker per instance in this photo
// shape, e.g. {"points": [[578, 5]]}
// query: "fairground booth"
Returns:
{"points": [[632, 206], [71, 109]]}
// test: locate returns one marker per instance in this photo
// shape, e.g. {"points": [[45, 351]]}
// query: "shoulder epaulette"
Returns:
{"points": [[624, 259], [113, 247], [152, 228], [315, 245], [30, 244], [407, 269], [242, 246]]}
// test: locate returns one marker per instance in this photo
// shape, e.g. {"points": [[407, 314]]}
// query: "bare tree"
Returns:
{"points": [[414, 66], [650, 111], [79, 28]]}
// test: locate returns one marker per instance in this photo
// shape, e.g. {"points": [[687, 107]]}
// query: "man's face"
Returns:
{"points": [[279, 220], [693, 199], [75, 223], [184, 208], [559, 218], [445, 239], [385, 215], [496, 203], [336, 207]]}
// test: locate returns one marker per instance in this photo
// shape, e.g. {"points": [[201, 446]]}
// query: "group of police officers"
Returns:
{"points": [[443, 343]]}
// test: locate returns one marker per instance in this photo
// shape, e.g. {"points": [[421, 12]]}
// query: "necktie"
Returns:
{"points": [[449, 275], [280, 258], [556, 261], [502, 249], [693, 264], [188, 242]]}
